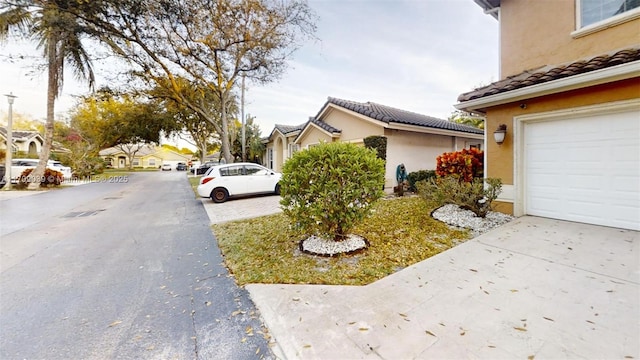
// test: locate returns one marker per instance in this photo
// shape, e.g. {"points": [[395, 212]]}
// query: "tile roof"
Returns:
{"points": [[555, 72], [390, 115], [323, 125], [285, 129], [19, 134]]}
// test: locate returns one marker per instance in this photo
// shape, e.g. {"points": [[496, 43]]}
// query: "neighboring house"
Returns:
{"points": [[413, 139], [570, 99], [280, 146], [28, 142], [147, 156], [25, 141]]}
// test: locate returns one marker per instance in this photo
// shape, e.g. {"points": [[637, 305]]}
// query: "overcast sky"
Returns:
{"points": [[414, 55]]}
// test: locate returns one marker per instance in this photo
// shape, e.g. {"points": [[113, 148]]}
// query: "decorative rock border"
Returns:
{"points": [[455, 216], [315, 245]]}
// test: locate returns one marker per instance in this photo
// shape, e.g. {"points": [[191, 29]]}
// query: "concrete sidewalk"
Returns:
{"points": [[534, 288]]}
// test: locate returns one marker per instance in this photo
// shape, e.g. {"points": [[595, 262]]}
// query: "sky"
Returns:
{"points": [[413, 55]]}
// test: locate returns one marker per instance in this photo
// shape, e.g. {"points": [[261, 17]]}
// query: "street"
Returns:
{"points": [[119, 270]]}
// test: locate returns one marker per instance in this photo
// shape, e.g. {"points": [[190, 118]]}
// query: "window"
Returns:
{"points": [[255, 170], [152, 162], [136, 162], [232, 170], [593, 11], [293, 148], [270, 158]]}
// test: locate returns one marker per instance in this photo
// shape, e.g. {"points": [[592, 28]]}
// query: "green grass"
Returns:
{"points": [[401, 232], [194, 181]]}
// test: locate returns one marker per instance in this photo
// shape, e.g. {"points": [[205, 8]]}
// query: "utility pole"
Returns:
{"points": [[244, 151], [9, 154]]}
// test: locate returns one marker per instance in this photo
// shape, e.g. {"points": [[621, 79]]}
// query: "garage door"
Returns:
{"points": [[585, 170]]}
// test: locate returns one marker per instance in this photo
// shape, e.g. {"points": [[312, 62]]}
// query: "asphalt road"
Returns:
{"points": [[119, 271]]}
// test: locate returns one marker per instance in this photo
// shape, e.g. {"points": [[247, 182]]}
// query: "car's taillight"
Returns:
{"points": [[206, 180]]}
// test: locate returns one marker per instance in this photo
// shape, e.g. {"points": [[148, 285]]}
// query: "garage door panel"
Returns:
{"points": [[584, 169]]}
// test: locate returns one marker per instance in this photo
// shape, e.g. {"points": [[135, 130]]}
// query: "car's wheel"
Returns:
{"points": [[277, 189], [219, 195]]}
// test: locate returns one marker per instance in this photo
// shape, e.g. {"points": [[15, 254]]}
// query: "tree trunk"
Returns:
{"points": [[225, 149], [203, 152], [52, 92]]}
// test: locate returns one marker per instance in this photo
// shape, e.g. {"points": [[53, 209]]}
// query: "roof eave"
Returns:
{"points": [[435, 131], [490, 7], [332, 134], [593, 78]]}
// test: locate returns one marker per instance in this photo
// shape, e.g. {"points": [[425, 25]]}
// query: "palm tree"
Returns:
{"points": [[58, 34]]}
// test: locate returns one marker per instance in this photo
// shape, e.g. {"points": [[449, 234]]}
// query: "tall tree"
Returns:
{"points": [[124, 121], [59, 35], [211, 43], [254, 147], [203, 132], [462, 117]]}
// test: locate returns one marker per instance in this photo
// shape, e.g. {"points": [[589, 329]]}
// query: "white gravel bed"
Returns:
{"points": [[320, 246], [455, 216]]}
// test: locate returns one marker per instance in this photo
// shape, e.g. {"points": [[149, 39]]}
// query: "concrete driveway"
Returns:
{"points": [[243, 208], [533, 288]]}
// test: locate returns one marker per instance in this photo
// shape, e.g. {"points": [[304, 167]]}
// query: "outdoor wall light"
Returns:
{"points": [[500, 133]]}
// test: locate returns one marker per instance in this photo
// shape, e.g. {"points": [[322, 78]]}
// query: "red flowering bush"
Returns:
{"points": [[466, 164], [50, 178]]}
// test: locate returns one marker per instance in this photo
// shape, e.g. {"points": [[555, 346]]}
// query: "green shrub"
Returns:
{"points": [[50, 178], [329, 188], [475, 195], [378, 143], [419, 175]]}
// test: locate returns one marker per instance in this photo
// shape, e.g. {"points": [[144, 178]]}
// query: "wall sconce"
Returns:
{"points": [[500, 134]]}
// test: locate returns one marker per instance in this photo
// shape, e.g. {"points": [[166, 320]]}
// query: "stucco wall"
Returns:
{"points": [[353, 127], [500, 158], [313, 136], [538, 33], [417, 151]]}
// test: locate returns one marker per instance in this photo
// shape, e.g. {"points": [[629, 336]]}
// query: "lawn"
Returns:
{"points": [[401, 232], [194, 181]]}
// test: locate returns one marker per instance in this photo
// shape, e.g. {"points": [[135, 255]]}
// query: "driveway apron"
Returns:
{"points": [[533, 288]]}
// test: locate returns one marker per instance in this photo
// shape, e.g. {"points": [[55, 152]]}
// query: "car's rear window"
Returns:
{"points": [[232, 170]]}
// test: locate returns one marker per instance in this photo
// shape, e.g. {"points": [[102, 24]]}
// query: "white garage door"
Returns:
{"points": [[585, 170]]}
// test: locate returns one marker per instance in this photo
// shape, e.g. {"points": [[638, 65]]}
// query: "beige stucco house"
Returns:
{"points": [[414, 140], [24, 141], [569, 96], [146, 156]]}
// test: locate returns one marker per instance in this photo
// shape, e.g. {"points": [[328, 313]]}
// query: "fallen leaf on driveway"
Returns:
{"points": [[115, 323], [430, 333], [519, 328]]}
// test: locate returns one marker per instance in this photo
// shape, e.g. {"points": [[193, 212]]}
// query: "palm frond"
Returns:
{"points": [[17, 19]]}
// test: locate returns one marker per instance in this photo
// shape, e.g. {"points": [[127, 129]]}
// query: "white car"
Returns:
{"points": [[221, 182], [20, 165], [57, 166]]}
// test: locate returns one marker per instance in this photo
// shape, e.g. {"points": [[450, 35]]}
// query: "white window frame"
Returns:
{"points": [[602, 24], [152, 162], [135, 162], [270, 158]]}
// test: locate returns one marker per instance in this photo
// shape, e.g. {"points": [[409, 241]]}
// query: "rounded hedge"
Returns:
{"points": [[329, 188]]}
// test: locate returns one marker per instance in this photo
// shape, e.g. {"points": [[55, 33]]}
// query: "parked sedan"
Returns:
{"points": [[20, 165], [200, 170], [166, 167], [181, 166], [221, 182]]}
